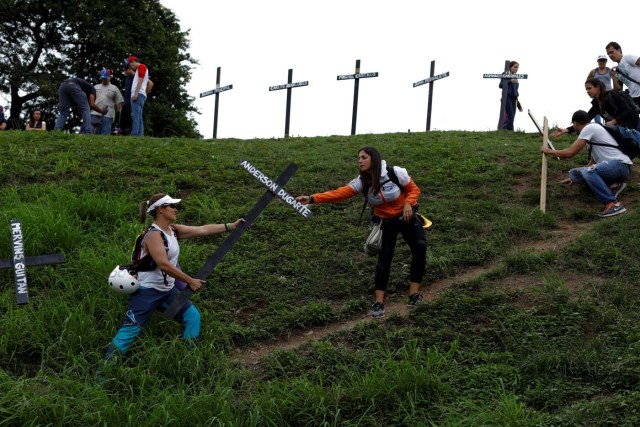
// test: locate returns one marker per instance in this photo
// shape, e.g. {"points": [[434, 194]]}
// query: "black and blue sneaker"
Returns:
{"points": [[613, 208], [377, 310], [414, 300]]}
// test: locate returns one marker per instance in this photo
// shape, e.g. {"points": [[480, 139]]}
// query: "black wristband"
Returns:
{"points": [[310, 200]]}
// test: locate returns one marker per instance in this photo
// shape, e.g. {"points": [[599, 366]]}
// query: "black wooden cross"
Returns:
{"points": [[19, 262], [430, 80], [216, 92], [357, 76], [503, 101], [274, 188], [290, 85]]}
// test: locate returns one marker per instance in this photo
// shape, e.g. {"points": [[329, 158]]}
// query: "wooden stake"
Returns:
{"points": [[543, 177]]}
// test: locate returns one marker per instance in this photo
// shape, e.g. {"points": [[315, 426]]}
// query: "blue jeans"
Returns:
{"points": [[598, 177], [598, 118], [137, 128], [70, 93], [141, 304], [101, 124]]}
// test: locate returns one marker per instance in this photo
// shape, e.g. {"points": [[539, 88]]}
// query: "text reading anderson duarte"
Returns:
{"points": [[276, 189]]}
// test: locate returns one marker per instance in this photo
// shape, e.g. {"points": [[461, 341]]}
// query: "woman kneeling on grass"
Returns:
{"points": [[395, 206], [157, 287]]}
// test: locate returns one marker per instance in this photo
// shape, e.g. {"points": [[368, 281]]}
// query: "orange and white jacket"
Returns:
{"points": [[386, 204]]}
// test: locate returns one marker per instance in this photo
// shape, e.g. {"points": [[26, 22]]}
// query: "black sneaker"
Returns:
{"points": [[377, 310], [414, 300], [613, 208], [616, 188]]}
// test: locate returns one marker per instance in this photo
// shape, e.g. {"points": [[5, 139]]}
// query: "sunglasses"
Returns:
{"points": [[174, 206]]}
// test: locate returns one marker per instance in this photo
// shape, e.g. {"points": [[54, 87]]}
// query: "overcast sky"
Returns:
{"points": [[256, 42]]}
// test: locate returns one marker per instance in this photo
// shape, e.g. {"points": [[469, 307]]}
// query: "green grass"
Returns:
{"points": [[547, 337]]}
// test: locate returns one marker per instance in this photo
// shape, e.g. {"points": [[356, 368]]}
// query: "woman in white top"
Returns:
{"points": [[36, 123], [158, 286]]}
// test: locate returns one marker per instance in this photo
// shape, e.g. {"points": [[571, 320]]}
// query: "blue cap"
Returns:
{"points": [[104, 74]]}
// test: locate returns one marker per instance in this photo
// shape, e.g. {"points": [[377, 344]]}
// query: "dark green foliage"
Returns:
{"points": [[49, 41]]}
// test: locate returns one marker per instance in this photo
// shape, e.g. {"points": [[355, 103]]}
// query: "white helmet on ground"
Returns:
{"points": [[121, 281]]}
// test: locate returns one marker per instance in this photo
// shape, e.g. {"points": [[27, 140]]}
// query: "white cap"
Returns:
{"points": [[166, 200], [602, 57]]}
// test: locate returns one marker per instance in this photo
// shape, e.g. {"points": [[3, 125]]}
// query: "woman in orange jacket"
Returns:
{"points": [[395, 205]]}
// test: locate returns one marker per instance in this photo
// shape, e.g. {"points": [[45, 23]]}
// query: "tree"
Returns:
{"points": [[47, 41]]}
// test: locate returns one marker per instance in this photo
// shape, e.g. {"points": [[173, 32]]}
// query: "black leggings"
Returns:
{"points": [[414, 235]]}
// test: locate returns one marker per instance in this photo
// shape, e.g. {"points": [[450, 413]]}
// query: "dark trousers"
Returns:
{"points": [[125, 120], [510, 112], [412, 233]]}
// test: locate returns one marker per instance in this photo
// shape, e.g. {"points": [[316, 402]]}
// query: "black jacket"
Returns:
{"points": [[617, 106]]}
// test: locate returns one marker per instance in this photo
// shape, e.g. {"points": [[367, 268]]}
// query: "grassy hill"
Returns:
{"points": [[538, 323]]}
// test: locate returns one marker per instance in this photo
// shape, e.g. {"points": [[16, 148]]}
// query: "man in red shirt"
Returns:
{"points": [[138, 94]]}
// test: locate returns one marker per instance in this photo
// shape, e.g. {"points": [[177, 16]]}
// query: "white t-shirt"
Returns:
{"points": [[142, 73], [388, 191], [596, 133], [628, 66], [155, 278]]}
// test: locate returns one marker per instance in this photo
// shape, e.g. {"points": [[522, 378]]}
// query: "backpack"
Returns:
{"points": [[145, 263], [628, 140], [625, 98], [392, 177]]}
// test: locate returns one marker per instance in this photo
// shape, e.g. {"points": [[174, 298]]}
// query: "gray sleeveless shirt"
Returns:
{"points": [[604, 78]]}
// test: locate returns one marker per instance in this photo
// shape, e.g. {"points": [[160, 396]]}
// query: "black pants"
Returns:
{"points": [[510, 112], [125, 120], [412, 233]]}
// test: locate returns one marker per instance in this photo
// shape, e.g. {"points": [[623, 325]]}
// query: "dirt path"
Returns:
{"points": [[396, 304]]}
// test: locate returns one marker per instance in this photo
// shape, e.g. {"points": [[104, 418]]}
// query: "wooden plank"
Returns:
{"points": [[543, 177]]}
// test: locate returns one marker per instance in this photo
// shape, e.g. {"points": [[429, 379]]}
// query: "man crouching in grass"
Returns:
{"points": [[608, 167]]}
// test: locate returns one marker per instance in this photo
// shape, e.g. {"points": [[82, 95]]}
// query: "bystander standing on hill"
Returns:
{"points": [[125, 114], [512, 96], [109, 99], [138, 95], [627, 71], [603, 73]]}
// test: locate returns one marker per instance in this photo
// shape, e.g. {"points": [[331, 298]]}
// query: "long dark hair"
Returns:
{"points": [[602, 89], [32, 120], [371, 178], [146, 203]]}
